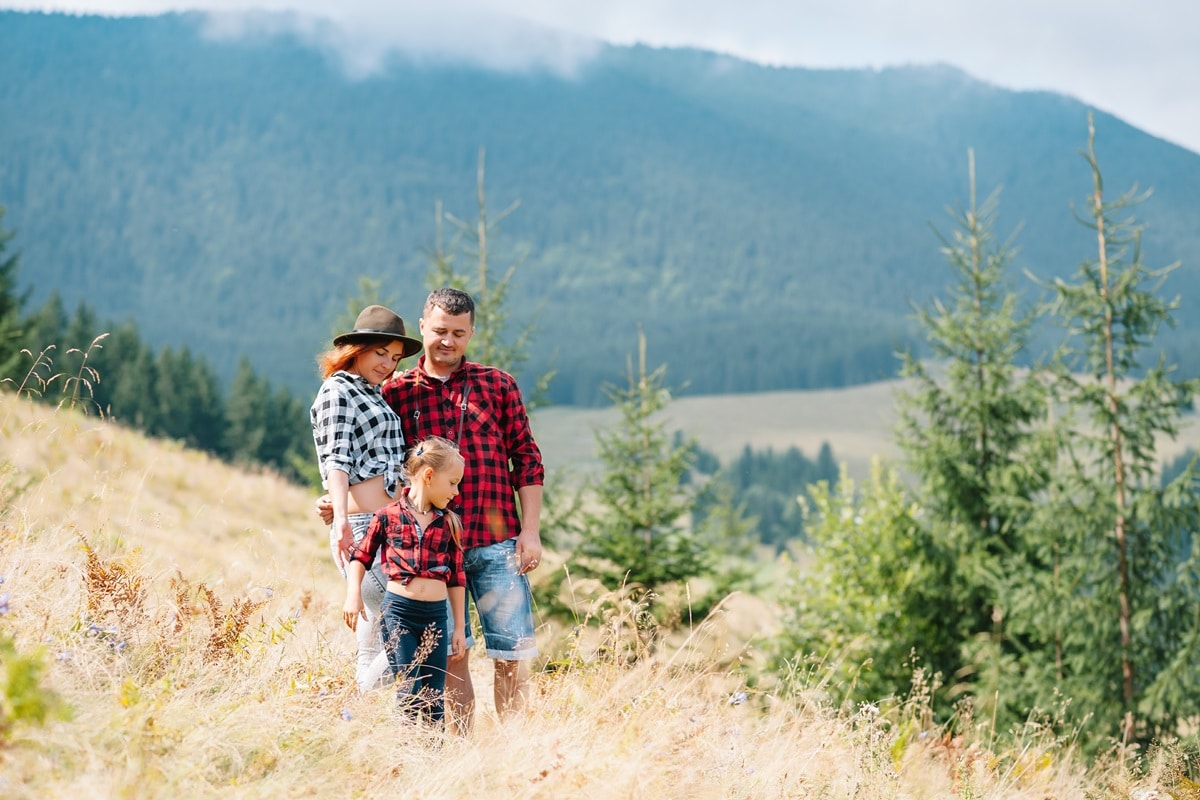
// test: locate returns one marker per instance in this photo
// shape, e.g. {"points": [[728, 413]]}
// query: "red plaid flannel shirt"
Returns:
{"points": [[496, 441], [408, 551]]}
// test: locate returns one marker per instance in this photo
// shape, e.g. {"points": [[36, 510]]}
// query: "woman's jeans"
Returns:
{"points": [[372, 667], [418, 645]]}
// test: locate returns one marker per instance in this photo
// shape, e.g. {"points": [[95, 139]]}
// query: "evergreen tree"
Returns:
{"points": [[246, 415], [871, 597], [971, 435], [43, 331], [1127, 595], [930, 575], [47, 326], [493, 343], [133, 400], [11, 302], [638, 528], [288, 438], [118, 354], [190, 407], [75, 369]]}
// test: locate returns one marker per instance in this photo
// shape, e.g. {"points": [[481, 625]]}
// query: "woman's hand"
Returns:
{"points": [[345, 542]]}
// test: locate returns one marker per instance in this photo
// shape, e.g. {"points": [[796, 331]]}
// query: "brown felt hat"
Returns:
{"points": [[378, 322]]}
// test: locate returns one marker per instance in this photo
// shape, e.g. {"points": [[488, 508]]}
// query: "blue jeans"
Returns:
{"points": [[417, 644], [372, 662], [503, 601]]}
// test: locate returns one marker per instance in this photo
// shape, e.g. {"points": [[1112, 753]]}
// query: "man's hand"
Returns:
{"points": [[529, 550], [458, 645]]}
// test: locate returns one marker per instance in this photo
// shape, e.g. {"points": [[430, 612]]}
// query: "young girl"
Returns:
{"points": [[359, 447], [423, 561]]}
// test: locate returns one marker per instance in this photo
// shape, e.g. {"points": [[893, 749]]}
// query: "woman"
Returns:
{"points": [[360, 450]]}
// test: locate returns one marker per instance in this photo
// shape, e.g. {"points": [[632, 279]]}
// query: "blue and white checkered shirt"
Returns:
{"points": [[356, 431]]}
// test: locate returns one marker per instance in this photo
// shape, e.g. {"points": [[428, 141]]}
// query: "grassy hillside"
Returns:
{"points": [[766, 227], [197, 647]]}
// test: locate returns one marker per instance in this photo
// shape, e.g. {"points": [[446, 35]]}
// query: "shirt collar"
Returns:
{"points": [[360, 381], [459, 371]]}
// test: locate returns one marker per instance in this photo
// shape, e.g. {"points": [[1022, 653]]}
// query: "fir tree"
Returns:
{"points": [[969, 429], [11, 301], [246, 415], [1130, 567], [494, 343], [638, 528]]}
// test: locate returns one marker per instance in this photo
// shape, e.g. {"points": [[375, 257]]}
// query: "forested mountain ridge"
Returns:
{"points": [[768, 227]]}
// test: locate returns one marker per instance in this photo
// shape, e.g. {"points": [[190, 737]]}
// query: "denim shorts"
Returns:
{"points": [[374, 582], [502, 600]]}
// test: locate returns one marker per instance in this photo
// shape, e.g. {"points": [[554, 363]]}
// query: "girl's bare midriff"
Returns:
{"points": [[424, 589], [367, 497]]}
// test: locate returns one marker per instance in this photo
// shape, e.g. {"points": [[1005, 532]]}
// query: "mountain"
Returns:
{"points": [[768, 228]]}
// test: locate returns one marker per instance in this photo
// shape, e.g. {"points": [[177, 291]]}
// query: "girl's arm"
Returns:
{"points": [[353, 607], [458, 638]]}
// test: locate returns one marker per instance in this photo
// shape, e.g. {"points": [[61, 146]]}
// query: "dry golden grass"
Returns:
{"points": [[188, 615]]}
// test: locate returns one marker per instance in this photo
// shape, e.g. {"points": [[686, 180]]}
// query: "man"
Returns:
{"points": [[481, 409]]}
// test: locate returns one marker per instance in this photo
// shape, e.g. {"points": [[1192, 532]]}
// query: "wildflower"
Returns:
{"points": [[346, 715], [64, 656], [737, 698], [4, 603]]}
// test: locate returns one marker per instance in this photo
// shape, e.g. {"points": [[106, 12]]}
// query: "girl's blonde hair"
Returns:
{"points": [[438, 453], [342, 357]]}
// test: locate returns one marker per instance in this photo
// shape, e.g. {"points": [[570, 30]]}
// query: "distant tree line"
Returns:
{"points": [[106, 368], [771, 487]]}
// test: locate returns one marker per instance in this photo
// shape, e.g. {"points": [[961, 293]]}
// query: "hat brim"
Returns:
{"points": [[411, 346]]}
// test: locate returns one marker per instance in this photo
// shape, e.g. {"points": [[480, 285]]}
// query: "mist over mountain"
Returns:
{"points": [[768, 228]]}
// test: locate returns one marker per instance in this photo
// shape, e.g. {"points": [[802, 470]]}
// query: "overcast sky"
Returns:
{"points": [[1138, 60]]}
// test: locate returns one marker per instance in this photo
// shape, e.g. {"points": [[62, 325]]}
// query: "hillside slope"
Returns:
{"points": [[165, 699]]}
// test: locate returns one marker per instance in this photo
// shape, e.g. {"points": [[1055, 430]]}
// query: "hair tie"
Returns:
{"points": [[420, 450]]}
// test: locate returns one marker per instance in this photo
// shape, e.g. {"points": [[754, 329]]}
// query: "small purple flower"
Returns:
{"points": [[346, 715], [5, 605], [737, 698], [64, 656]]}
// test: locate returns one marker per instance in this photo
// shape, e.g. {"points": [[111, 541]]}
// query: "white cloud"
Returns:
{"points": [[1140, 61]]}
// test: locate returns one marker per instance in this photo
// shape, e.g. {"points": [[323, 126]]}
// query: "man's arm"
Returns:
{"points": [[529, 540]]}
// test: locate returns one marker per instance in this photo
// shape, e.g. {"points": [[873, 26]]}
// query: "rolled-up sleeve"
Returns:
{"points": [[333, 430], [526, 456]]}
